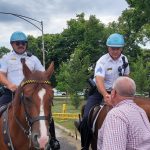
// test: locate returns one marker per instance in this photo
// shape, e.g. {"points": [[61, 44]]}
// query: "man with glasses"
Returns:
{"points": [[108, 68], [11, 73], [126, 126]]}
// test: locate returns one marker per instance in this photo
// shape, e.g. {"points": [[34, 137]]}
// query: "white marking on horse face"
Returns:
{"points": [[43, 129]]}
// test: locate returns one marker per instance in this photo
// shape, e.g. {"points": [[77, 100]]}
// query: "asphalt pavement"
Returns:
{"points": [[67, 139]]}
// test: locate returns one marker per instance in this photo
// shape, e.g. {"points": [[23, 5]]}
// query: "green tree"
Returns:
{"points": [[88, 34], [90, 37], [34, 47], [73, 76], [134, 24], [3, 50], [140, 75], [62, 78]]}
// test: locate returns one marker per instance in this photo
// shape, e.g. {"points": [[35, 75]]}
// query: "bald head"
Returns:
{"points": [[125, 86]]}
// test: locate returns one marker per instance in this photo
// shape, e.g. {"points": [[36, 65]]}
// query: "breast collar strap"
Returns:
{"points": [[6, 132]]}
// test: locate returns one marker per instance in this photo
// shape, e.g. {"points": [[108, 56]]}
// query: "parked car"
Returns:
{"points": [[80, 93], [59, 93]]}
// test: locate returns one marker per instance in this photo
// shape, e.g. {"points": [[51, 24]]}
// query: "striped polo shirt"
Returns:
{"points": [[126, 127]]}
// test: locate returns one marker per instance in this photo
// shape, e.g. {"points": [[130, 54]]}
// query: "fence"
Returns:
{"points": [[65, 115]]}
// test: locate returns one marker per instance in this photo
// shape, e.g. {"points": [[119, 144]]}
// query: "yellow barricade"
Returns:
{"points": [[66, 115], [64, 108]]}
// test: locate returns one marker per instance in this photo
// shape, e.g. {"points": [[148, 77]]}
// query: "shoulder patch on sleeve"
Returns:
{"points": [[99, 70]]}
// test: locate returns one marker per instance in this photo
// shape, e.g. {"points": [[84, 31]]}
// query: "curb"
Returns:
{"points": [[70, 133]]}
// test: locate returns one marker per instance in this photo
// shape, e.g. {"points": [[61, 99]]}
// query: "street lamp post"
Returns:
{"points": [[28, 19], [43, 49]]}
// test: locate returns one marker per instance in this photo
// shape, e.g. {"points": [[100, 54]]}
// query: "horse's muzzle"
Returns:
{"points": [[39, 143], [34, 138]]}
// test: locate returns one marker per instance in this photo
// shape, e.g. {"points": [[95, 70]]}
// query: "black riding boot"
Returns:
{"points": [[86, 134], [53, 142]]}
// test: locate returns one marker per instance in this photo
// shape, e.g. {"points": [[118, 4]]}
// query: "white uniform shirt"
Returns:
{"points": [[108, 68], [12, 66]]}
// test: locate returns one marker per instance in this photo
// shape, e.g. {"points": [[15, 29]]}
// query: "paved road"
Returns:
{"points": [[67, 142]]}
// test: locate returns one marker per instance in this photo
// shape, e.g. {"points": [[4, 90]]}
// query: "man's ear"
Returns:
{"points": [[113, 93]]}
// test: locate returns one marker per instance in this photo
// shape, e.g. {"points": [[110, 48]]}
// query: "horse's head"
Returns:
{"points": [[35, 94]]}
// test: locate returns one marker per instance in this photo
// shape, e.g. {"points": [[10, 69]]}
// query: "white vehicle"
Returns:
{"points": [[58, 93]]}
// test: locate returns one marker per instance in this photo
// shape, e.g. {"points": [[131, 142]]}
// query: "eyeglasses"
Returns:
{"points": [[18, 43]]}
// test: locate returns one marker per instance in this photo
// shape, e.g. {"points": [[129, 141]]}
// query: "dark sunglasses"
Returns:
{"points": [[115, 48], [18, 43]]}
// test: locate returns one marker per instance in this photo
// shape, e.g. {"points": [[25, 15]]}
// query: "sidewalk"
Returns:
{"points": [[70, 133]]}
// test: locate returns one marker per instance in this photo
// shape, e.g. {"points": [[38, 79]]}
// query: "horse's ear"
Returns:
{"points": [[50, 70], [26, 70]]}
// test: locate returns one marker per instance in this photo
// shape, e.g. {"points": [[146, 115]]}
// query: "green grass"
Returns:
{"points": [[58, 108]]}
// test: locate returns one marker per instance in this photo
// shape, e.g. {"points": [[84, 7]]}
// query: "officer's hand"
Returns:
{"points": [[107, 99], [12, 87]]}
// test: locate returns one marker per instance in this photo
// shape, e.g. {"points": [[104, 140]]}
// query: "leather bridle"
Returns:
{"points": [[30, 120]]}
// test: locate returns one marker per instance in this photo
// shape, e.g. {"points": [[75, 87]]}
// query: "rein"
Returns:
{"points": [[30, 120], [6, 131]]}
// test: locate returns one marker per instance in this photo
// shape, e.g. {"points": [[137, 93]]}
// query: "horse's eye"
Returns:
{"points": [[28, 100]]}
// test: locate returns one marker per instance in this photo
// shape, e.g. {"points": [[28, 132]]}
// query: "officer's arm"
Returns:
{"points": [[100, 85], [6, 82], [101, 88], [3, 79]]}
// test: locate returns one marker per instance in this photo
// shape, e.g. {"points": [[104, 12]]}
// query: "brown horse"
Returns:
{"points": [[25, 123], [140, 101]]}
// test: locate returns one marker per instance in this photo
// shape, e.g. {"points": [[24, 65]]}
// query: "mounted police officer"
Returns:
{"points": [[11, 73], [108, 68]]}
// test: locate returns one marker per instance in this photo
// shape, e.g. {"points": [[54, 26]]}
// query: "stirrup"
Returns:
{"points": [[77, 124]]}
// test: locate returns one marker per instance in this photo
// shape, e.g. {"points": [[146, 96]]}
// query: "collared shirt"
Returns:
{"points": [[126, 127], [12, 66], [108, 68]]}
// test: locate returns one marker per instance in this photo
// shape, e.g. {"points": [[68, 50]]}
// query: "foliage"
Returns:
{"points": [[140, 75], [75, 100], [81, 44], [62, 78], [73, 76], [3, 50], [134, 24]]}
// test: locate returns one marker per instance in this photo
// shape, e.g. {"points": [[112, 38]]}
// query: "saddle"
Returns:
{"points": [[93, 114]]}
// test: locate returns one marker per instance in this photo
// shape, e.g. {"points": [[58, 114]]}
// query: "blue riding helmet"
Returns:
{"points": [[18, 36], [115, 40]]}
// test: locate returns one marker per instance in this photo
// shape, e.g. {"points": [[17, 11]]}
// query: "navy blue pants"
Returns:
{"points": [[6, 97], [94, 99]]}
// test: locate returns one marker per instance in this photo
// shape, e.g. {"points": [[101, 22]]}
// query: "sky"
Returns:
{"points": [[54, 14]]}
